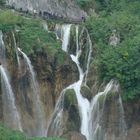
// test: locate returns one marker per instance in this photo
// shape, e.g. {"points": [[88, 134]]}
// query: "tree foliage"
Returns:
{"points": [[122, 61], [84, 3]]}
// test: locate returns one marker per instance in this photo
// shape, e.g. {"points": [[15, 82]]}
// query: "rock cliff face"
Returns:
{"points": [[52, 76], [67, 9], [54, 72]]}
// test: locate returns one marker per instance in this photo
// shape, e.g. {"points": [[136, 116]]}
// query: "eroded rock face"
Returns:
{"points": [[53, 73], [66, 115], [58, 8], [132, 113]]}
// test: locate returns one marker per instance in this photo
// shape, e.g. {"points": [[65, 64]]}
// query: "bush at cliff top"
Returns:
{"points": [[9, 19], [122, 61], [31, 34], [8, 134]]}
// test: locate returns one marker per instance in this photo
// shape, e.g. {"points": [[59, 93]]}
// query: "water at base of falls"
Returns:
{"points": [[11, 116]]}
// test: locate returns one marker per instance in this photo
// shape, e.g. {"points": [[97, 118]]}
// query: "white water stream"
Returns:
{"points": [[16, 50], [90, 113], [2, 49], [38, 110], [10, 112], [66, 35]]}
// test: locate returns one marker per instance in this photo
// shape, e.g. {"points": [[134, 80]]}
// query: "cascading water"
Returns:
{"points": [[2, 49], [94, 116], [38, 110], [10, 112], [66, 35], [90, 113], [11, 116], [16, 50], [55, 123], [83, 103], [98, 130]]}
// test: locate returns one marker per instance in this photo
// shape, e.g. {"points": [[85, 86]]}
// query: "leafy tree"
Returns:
{"points": [[121, 62]]}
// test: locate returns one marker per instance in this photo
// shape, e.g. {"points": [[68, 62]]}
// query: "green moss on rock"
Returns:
{"points": [[70, 98], [85, 91], [71, 106]]}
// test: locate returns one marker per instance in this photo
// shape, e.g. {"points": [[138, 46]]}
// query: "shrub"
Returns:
{"points": [[121, 62], [9, 134], [84, 3]]}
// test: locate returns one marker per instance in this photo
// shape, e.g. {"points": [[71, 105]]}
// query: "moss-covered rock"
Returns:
{"points": [[71, 106], [72, 41], [84, 45], [86, 92], [70, 98]]}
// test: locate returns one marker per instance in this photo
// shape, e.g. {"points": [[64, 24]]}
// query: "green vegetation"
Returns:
{"points": [[31, 34], [83, 3], [70, 98], [122, 61], [9, 19], [34, 37], [8, 134], [70, 104], [86, 4]]}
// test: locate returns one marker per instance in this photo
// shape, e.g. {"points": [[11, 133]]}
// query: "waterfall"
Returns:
{"points": [[55, 124], [83, 103], [91, 114], [66, 35], [2, 49], [16, 50], [38, 110], [10, 112], [11, 116], [95, 112], [98, 130], [89, 57]]}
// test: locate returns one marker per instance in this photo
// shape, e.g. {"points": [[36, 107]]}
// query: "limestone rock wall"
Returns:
{"points": [[60, 8]]}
